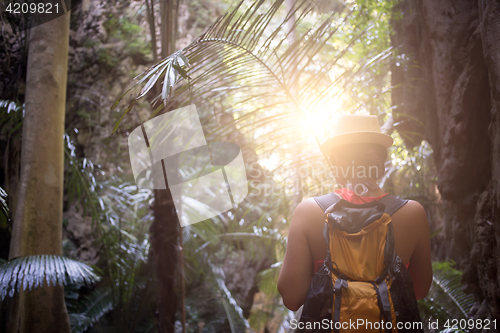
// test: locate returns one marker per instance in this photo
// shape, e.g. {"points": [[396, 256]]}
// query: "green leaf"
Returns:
{"points": [[446, 299], [181, 71], [123, 115], [32, 271], [87, 310]]}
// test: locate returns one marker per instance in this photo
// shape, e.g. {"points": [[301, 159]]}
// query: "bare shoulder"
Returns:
{"points": [[415, 210], [413, 215], [414, 207], [306, 212], [308, 207]]}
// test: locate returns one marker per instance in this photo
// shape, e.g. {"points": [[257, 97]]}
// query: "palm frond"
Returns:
{"points": [[448, 280], [11, 117], [218, 273], [4, 209], [87, 310], [11, 122], [170, 68], [232, 325], [10, 106], [79, 180], [32, 271], [244, 52], [446, 299]]}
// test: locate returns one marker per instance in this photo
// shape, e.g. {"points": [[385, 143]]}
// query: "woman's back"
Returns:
{"points": [[306, 244], [404, 235]]}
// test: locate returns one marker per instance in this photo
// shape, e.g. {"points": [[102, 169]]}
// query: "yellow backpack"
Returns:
{"points": [[362, 286]]}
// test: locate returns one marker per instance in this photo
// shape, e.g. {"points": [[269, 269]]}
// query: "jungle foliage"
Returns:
{"points": [[255, 86]]}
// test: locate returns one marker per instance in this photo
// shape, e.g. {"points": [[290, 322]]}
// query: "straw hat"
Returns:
{"points": [[356, 129]]}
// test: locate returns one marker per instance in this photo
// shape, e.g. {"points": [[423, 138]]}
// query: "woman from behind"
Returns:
{"points": [[357, 152]]}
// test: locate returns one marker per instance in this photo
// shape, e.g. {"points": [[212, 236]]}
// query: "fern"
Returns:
{"points": [[87, 310], [31, 271], [446, 299]]}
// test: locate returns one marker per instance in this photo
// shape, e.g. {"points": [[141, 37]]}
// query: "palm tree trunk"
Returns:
{"points": [[164, 238], [37, 227], [165, 228]]}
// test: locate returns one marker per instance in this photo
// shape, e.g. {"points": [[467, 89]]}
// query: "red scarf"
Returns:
{"points": [[351, 196]]}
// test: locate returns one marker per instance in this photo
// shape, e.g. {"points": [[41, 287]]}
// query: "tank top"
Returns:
{"points": [[351, 196]]}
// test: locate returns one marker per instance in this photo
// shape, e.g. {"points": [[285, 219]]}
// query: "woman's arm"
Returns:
{"points": [[295, 275], [420, 261]]}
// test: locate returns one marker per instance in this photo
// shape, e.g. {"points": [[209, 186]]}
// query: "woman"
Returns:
{"points": [[357, 151]]}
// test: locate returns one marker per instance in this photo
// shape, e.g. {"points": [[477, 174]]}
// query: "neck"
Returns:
{"points": [[373, 190], [374, 193]]}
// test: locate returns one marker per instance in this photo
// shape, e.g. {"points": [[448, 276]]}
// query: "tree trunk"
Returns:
{"points": [[448, 79], [164, 238], [37, 227], [165, 228], [168, 27], [483, 270]]}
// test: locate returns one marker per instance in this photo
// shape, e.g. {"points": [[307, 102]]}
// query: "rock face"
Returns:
{"points": [[447, 91], [79, 230]]}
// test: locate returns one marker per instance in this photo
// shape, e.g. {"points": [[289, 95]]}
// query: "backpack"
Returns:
{"points": [[362, 286]]}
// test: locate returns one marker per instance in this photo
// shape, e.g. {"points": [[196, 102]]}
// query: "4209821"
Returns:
{"points": [[32, 8], [463, 324]]}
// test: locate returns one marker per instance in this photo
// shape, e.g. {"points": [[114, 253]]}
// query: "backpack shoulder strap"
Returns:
{"points": [[392, 203], [326, 200]]}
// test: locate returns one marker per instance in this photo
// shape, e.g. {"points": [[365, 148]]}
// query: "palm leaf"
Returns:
{"points": [[450, 284], [218, 273], [87, 310], [225, 304], [446, 299], [242, 46], [11, 117], [32, 271], [170, 68], [4, 209]]}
